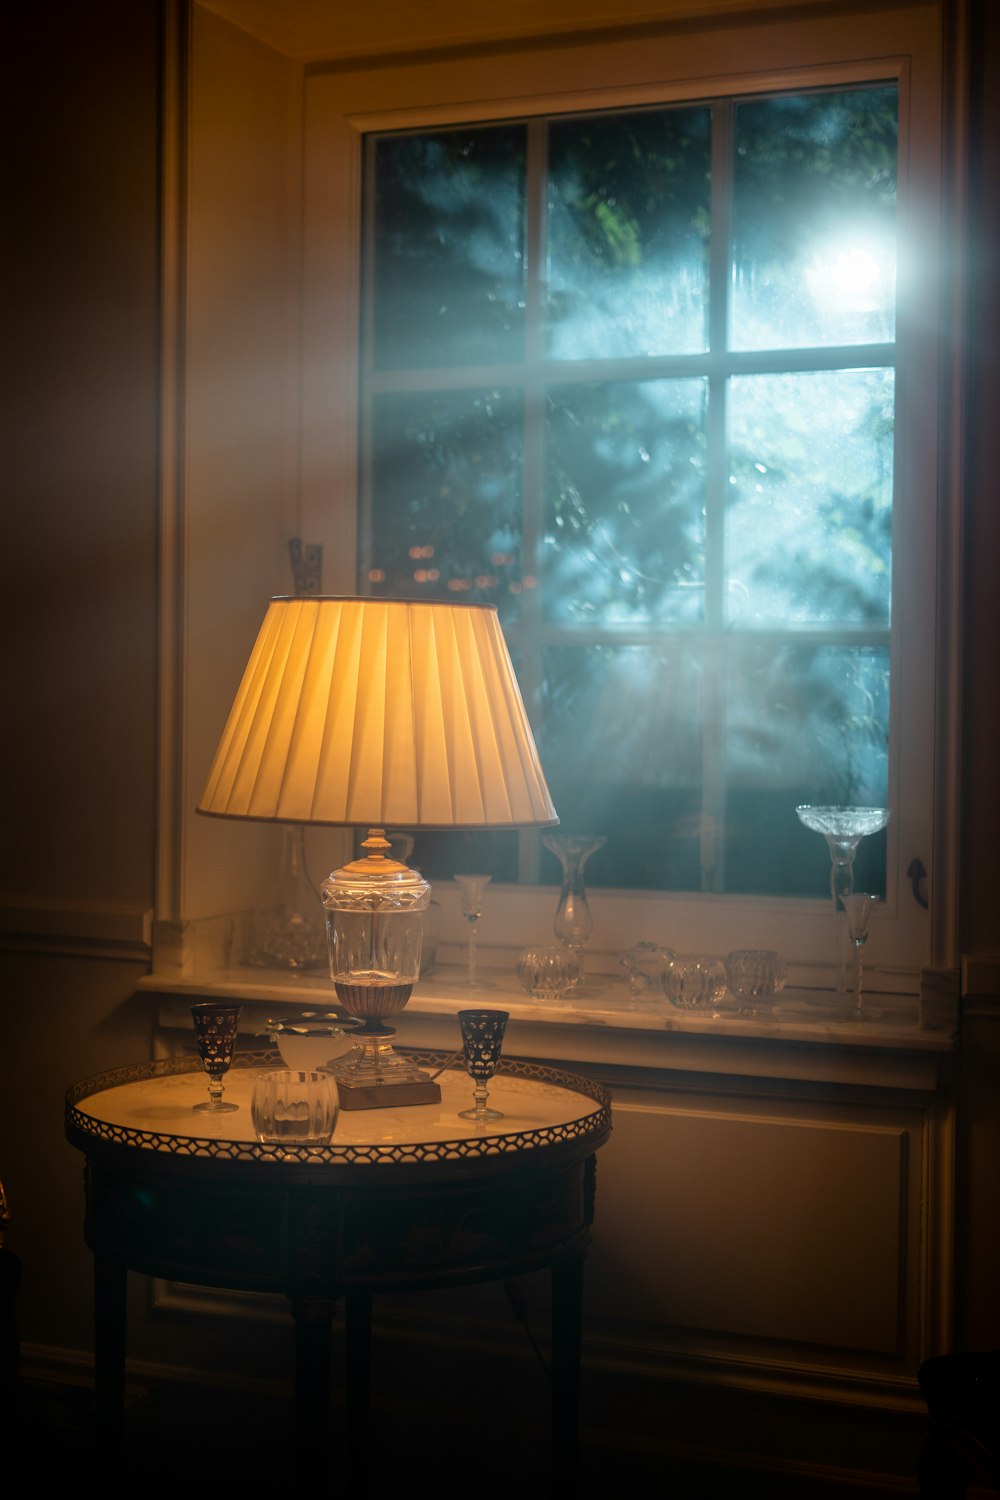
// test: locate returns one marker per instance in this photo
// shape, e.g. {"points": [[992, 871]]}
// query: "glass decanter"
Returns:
{"points": [[289, 930]]}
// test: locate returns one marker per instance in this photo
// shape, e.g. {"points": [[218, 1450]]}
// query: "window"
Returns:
{"points": [[309, 367], [630, 376], [642, 343]]}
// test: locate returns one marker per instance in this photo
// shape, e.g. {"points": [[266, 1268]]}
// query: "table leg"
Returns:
{"points": [[110, 1292], [567, 1318], [358, 1362], [313, 1320]]}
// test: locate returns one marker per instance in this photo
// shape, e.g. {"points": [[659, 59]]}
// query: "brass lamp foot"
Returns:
{"points": [[387, 1094]]}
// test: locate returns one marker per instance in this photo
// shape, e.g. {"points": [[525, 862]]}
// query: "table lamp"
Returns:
{"points": [[376, 714]]}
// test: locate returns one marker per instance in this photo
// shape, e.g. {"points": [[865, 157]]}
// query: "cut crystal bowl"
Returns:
{"points": [[844, 822]]}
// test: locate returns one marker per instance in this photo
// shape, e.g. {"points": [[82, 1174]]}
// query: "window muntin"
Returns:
{"points": [[681, 504]]}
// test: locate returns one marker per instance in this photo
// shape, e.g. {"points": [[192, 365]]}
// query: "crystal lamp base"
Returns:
{"points": [[375, 1076]]}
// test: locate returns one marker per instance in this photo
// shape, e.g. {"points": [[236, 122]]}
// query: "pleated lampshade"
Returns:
{"points": [[379, 713]]}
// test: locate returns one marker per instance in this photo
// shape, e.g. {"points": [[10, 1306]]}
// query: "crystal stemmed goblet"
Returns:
{"points": [[482, 1039], [843, 828], [471, 889], [215, 1025], [858, 907]]}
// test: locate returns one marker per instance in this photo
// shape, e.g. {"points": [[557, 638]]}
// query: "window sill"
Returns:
{"points": [[602, 1013]]}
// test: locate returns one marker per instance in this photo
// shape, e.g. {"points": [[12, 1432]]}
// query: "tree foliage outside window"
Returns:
{"points": [[630, 377]]}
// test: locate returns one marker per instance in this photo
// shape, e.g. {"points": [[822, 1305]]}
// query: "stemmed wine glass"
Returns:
{"points": [[843, 828], [215, 1025], [471, 889], [482, 1039], [859, 909]]}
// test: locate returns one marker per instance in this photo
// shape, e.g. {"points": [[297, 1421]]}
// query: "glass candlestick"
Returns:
{"points": [[573, 922]]}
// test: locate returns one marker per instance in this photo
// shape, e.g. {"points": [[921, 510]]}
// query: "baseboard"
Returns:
{"points": [[638, 1435], [41, 1366]]}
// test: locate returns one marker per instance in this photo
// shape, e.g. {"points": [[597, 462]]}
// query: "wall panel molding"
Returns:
{"points": [[92, 930]]}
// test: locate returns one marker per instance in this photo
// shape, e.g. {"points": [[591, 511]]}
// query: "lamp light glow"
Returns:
{"points": [[375, 714]]}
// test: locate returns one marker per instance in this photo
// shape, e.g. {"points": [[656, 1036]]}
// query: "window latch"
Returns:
{"points": [[915, 874]]}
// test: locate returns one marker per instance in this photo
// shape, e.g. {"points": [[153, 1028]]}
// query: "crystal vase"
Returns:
{"points": [[573, 924]]}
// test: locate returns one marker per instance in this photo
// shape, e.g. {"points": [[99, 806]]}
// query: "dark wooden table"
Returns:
{"points": [[401, 1199]]}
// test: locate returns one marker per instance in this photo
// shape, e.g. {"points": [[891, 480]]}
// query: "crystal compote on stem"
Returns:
{"points": [[482, 1039], [471, 889], [573, 923], [215, 1026], [843, 828]]}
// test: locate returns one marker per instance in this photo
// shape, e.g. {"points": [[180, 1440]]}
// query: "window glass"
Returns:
{"points": [[448, 248], [621, 738], [814, 220], [446, 513], [676, 487], [628, 233], [624, 524], [804, 723], [809, 519]]}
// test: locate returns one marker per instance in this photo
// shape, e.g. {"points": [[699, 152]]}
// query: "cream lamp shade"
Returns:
{"points": [[379, 713]]}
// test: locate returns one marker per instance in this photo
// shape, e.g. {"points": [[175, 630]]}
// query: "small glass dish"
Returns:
{"points": [[693, 983], [644, 963], [548, 973], [754, 977], [311, 1039]]}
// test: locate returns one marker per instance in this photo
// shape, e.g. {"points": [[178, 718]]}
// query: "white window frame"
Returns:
{"points": [[898, 44], [262, 245]]}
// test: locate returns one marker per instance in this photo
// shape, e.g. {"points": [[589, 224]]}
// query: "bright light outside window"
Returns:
{"points": [[631, 377]]}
